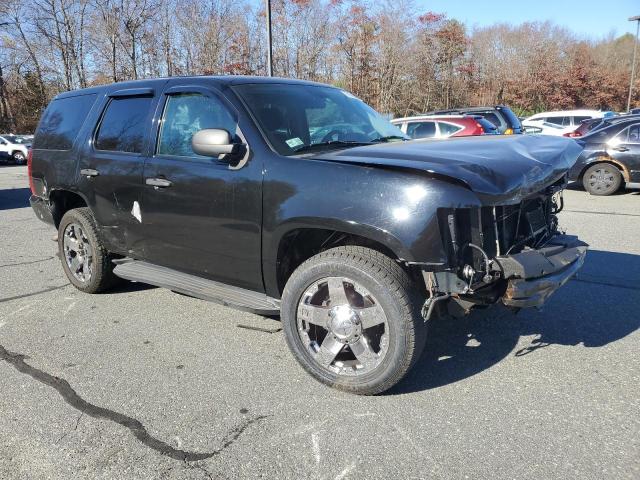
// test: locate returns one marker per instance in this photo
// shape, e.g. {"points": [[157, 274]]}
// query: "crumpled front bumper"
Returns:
{"points": [[534, 274]]}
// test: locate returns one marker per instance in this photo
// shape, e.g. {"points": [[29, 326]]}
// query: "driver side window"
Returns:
{"points": [[184, 115]]}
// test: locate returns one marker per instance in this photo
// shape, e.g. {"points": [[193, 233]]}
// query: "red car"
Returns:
{"points": [[444, 126]]}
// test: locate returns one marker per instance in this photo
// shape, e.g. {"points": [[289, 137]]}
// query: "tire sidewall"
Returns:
{"points": [[616, 184], [398, 334], [72, 216]]}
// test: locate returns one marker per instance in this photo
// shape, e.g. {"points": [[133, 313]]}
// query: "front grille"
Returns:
{"points": [[496, 230]]}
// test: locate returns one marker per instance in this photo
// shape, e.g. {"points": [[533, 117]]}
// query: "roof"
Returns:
{"points": [[427, 117], [561, 113], [464, 110], [219, 79]]}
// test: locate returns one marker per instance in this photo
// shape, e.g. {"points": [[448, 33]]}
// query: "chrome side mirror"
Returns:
{"points": [[213, 142]]}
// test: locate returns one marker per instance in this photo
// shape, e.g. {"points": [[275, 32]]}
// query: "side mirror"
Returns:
{"points": [[213, 142]]}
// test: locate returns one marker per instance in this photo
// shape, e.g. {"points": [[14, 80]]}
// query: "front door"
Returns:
{"points": [[199, 214], [626, 151]]}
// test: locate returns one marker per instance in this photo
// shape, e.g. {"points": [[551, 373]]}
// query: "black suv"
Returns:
{"points": [[501, 116], [296, 199]]}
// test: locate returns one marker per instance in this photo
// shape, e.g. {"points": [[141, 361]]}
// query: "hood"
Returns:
{"points": [[508, 166]]}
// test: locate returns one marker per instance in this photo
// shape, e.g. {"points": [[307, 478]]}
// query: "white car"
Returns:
{"points": [[560, 122], [14, 148]]}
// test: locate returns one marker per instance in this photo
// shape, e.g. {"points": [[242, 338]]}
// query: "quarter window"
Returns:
{"points": [[184, 115], [61, 122], [123, 125], [447, 129], [421, 129]]}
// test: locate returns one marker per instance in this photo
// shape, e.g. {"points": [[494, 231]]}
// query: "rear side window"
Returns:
{"points": [[421, 129], [560, 121], [447, 129], [62, 121], [123, 125]]}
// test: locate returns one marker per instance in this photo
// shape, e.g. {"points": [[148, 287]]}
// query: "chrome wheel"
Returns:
{"points": [[78, 253], [342, 326]]}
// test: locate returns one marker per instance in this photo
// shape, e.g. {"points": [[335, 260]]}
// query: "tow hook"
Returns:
{"points": [[430, 303]]}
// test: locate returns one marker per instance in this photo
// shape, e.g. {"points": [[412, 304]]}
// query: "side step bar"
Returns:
{"points": [[236, 297]]}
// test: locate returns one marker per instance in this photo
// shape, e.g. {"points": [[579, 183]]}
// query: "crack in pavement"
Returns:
{"points": [[25, 295], [27, 263], [135, 426]]}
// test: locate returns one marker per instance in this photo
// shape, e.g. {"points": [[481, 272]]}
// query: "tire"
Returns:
{"points": [[389, 288], [99, 276], [19, 158], [602, 179]]}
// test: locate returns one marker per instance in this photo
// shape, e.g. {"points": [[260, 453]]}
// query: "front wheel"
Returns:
{"points": [[351, 317]]}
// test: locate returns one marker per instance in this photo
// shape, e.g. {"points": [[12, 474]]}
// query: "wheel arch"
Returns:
{"points": [[300, 243], [62, 201], [606, 159]]}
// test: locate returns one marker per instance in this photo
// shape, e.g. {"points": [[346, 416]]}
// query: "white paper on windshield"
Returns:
{"points": [[294, 142]]}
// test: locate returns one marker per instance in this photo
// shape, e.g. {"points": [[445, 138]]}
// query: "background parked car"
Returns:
{"points": [[563, 121], [544, 128], [501, 116], [611, 157], [14, 148], [585, 127], [440, 126]]}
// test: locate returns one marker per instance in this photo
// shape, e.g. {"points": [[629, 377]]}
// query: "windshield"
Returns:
{"points": [[302, 118]]}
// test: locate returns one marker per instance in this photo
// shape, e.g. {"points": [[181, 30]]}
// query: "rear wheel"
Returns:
{"points": [[86, 262], [352, 319], [602, 179]]}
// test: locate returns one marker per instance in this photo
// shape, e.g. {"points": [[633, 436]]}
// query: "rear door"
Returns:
{"points": [[111, 167], [626, 150], [200, 215]]}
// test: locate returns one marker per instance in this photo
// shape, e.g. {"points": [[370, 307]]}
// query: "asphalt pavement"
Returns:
{"points": [[143, 383]]}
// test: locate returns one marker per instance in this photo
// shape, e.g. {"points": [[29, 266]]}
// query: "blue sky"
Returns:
{"points": [[592, 19]]}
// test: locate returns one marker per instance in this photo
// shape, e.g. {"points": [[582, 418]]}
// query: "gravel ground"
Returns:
{"points": [[144, 383]]}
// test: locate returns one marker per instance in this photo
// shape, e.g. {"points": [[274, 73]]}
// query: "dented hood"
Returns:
{"points": [[508, 167]]}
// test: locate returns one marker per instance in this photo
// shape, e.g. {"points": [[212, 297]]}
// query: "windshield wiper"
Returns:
{"points": [[388, 138], [331, 143]]}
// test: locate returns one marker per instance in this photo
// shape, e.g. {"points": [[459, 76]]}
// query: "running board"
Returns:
{"points": [[236, 297]]}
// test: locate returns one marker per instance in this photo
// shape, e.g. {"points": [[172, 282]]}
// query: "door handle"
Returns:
{"points": [[620, 149], [158, 182], [89, 172]]}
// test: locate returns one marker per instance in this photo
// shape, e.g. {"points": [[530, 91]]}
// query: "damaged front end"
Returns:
{"points": [[513, 254]]}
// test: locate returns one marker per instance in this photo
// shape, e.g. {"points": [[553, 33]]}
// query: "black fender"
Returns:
{"points": [[392, 207]]}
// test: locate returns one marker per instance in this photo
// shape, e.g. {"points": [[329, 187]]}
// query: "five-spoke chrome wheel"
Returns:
{"points": [[343, 326], [78, 253]]}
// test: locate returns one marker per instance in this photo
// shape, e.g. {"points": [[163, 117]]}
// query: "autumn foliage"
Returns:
{"points": [[394, 56]]}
